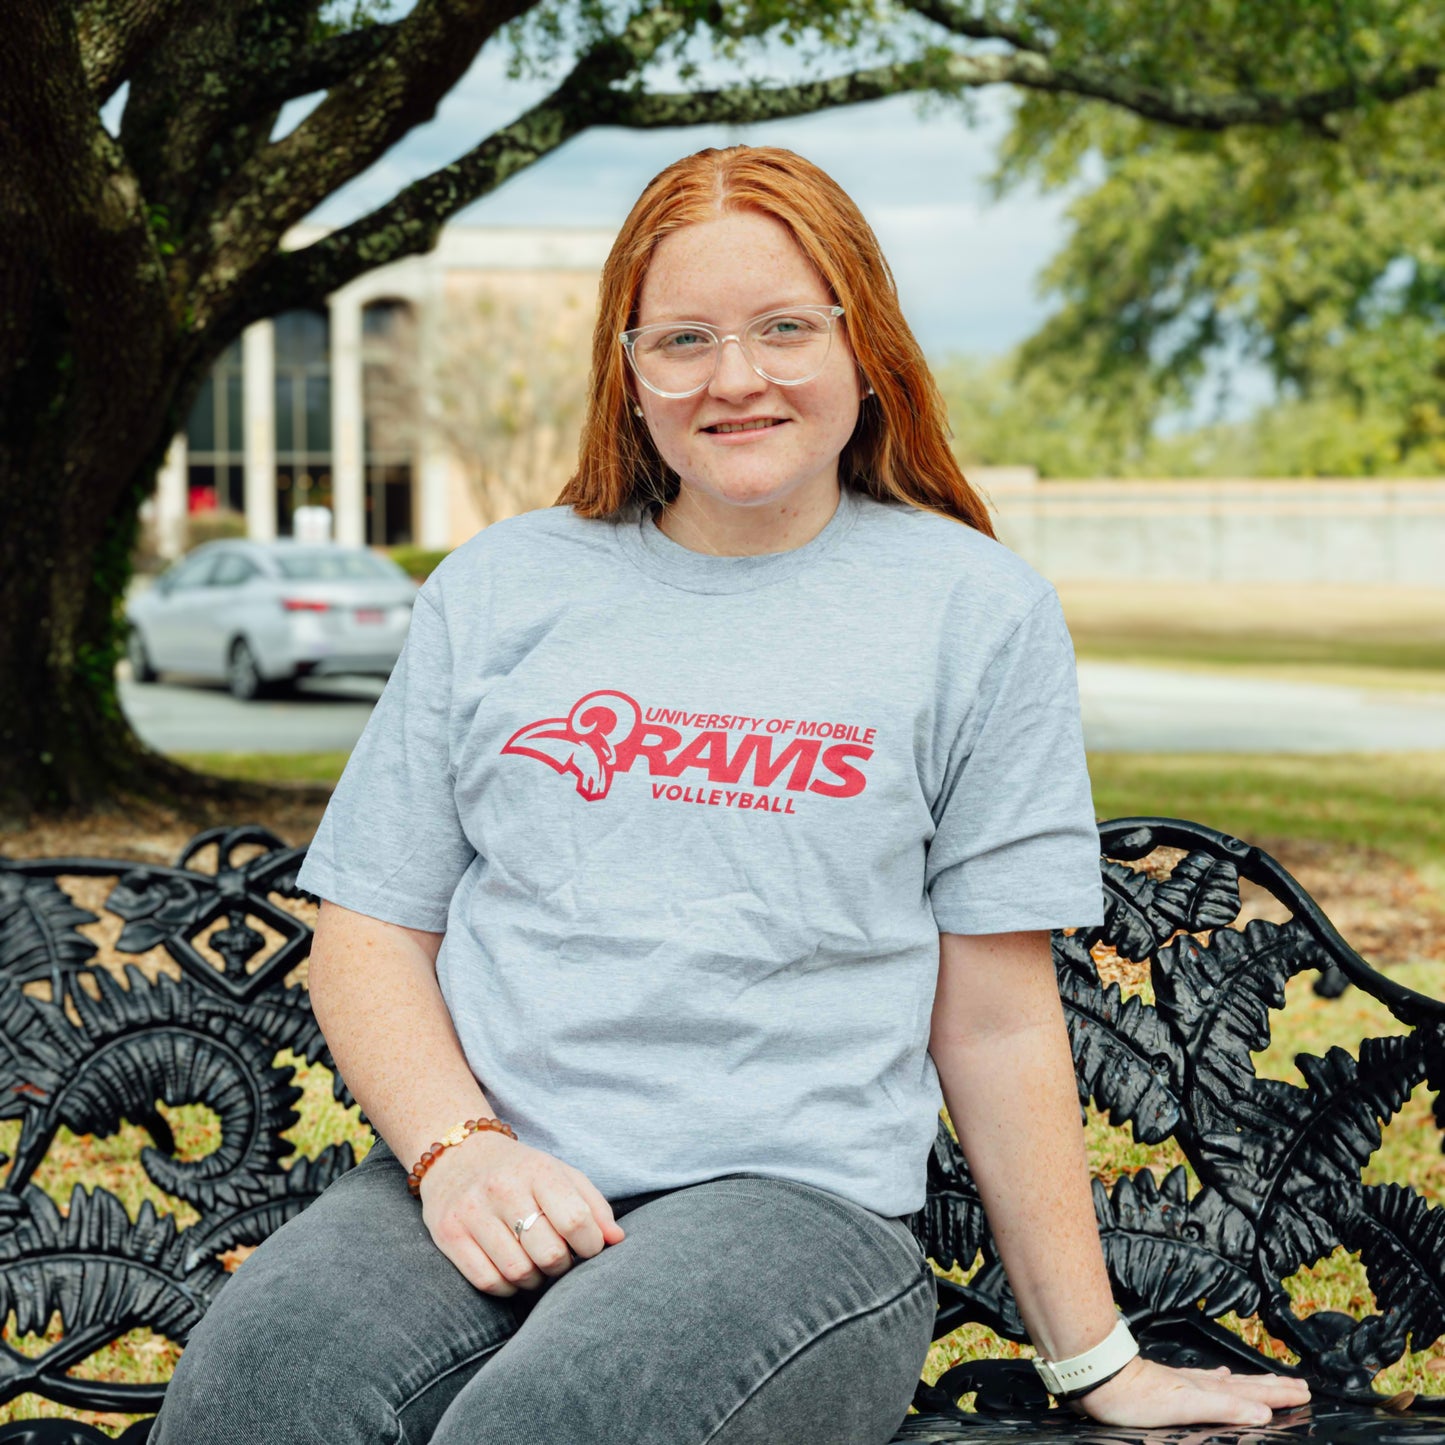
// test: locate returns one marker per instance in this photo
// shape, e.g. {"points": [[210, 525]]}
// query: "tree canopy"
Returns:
{"points": [[1316, 247]]}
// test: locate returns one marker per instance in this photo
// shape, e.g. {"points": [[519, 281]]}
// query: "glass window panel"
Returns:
{"points": [[201, 428], [285, 414], [235, 434], [287, 340], [306, 339], [285, 500], [318, 338], [335, 564], [231, 356], [398, 508], [378, 320], [302, 338], [231, 488], [318, 413]]}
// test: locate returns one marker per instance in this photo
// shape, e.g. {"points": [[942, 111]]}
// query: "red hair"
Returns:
{"points": [[899, 449]]}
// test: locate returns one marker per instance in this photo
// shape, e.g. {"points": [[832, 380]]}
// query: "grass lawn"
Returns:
{"points": [[1393, 803], [1391, 637], [1367, 826]]}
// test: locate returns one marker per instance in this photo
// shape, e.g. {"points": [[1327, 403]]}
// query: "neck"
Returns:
{"points": [[702, 524]]}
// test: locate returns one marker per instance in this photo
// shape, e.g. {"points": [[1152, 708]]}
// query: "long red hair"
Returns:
{"points": [[899, 449]]}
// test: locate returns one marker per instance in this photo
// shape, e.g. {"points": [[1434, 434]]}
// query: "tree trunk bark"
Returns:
{"points": [[65, 555]]}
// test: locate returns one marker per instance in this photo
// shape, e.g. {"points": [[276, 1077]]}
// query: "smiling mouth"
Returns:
{"points": [[759, 424]]}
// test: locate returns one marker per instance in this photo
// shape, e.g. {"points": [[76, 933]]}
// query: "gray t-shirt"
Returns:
{"points": [[692, 826]]}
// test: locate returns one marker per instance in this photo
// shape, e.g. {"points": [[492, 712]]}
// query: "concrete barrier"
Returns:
{"points": [[1337, 530]]}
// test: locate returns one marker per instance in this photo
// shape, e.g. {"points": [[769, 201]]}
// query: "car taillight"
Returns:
{"points": [[304, 604]]}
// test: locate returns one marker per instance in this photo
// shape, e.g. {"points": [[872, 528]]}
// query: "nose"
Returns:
{"points": [[733, 377]]}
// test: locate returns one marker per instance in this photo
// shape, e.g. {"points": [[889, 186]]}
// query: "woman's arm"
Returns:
{"points": [[1001, 1048], [375, 994]]}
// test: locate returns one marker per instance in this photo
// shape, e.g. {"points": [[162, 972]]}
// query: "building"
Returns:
{"points": [[287, 418]]}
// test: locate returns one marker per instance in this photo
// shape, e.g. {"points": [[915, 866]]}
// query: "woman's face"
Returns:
{"points": [[725, 272]]}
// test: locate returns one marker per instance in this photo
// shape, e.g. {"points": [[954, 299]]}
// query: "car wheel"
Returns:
{"points": [[139, 659], [243, 677]]}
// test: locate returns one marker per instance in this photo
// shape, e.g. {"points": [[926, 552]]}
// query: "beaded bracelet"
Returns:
{"points": [[454, 1135]]}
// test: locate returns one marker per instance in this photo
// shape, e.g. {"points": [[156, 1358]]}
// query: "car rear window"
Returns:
{"points": [[335, 566]]}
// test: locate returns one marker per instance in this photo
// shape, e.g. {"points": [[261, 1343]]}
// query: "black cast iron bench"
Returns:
{"points": [[1278, 1166]]}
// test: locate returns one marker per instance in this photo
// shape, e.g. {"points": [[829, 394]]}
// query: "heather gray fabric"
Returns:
{"points": [[692, 826], [744, 1311]]}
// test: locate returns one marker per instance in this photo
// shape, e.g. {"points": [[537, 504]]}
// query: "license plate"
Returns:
{"points": [[369, 614]]}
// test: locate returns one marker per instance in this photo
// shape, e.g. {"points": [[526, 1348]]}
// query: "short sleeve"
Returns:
{"points": [[390, 843], [1016, 845]]}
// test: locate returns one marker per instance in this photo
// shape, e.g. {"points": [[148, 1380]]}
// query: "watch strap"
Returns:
{"points": [[1067, 1379]]}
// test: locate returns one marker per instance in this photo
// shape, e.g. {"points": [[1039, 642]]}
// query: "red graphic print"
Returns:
{"points": [[584, 742], [606, 733]]}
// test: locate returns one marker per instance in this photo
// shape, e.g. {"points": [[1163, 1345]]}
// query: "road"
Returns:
{"points": [[1134, 709], [324, 715], [1125, 709]]}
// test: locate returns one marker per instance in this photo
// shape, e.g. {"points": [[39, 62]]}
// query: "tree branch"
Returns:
{"points": [[113, 34], [1186, 109], [408, 224], [954, 18], [360, 119], [324, 65]]}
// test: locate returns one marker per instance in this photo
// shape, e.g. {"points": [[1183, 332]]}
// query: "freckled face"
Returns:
{"points": [[725, 272]]}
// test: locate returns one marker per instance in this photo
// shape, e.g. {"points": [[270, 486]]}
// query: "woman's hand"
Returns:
{"points": [[474, 1192], [1147, 1394]]}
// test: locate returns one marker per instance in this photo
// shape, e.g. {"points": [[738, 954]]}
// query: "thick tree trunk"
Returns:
{"points": [[65, 556]]}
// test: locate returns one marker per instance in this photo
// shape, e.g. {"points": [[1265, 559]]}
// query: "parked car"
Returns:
{"points": [[262, 614]]}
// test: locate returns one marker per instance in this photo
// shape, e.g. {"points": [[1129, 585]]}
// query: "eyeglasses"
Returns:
{"points": [[679, 358]]}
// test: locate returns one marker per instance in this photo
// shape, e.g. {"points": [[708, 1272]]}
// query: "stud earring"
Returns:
{"points": [[636, 410]]}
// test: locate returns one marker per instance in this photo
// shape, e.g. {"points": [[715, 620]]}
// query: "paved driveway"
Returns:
{"points": [[325, 715], [1126, 709], [1152, 709]]}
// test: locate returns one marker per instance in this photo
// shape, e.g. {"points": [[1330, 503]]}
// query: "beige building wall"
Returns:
{"points": [[551, 271]]}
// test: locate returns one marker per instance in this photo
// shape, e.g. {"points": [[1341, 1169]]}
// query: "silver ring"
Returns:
{"points": [[526, 1223]]}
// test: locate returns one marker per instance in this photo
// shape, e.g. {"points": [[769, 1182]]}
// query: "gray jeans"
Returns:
{"points": [[742, 1311]]}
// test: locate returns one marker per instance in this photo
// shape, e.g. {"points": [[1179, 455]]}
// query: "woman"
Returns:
{"points": [[710, 820]]}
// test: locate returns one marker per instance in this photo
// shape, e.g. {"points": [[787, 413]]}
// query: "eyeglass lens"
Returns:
{"points": [[788, 347]]}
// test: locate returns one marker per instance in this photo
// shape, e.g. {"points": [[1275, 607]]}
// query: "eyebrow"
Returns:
{"points": [[677, 316]]}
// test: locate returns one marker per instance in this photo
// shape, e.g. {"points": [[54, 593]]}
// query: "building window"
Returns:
{"points": [[303, 414], [390, 401], [215, 438]]}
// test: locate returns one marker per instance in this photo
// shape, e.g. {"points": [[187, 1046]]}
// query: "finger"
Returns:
{"points": [[1263, 1382], [544, 1245], [570, 1215], [612, 1231], [475, 1265], [514, 1263]]}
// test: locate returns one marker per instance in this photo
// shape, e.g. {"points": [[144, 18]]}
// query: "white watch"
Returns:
{"points": [[1066, 1378]]}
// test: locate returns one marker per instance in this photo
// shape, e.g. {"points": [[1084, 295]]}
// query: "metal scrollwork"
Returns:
{"points": [[91, 1057], [1278, 1165]]}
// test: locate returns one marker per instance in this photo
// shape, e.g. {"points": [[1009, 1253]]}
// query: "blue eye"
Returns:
{"points": [[789, 328], [679, 341]]}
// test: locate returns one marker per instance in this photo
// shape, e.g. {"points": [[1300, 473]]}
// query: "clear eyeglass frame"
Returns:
{"points": [[629, 340]]}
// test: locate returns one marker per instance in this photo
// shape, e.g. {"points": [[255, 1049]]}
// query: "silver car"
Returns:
{"points": [[262, 614]]}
